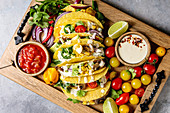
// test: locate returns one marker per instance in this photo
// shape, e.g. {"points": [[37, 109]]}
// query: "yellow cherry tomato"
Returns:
{"points": [[126, 87], [114, 62], [112, 75], [160, 51], [125, 75], [108, 41], [134, 99], [136, 83], [123, 109], [145, 79]]}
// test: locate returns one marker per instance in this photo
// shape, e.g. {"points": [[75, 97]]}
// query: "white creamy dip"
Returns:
{"points": [[132, 49]]}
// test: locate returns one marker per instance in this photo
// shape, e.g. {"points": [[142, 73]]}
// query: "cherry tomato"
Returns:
{"points": [[136, 83], [134, 99], [92, 84], [145, 79], [125, 75], [112, 75], [149, 69], [114, 62], [107, 75], [160, 51], [153, 58], [108, 41], [122, 99], [138, 71], [139, 92], [126, 87], [117, 83], [110, 52], [123, 109], [80, 29]]}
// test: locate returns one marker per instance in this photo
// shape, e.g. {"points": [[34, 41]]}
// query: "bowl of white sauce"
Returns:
{"points": [[132, 49]]}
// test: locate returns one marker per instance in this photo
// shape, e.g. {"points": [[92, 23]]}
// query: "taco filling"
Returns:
{"points": [[78, 50], [77, 27], [81, 90], [83, 68]]}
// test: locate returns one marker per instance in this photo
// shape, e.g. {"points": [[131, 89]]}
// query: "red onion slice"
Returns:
{"points": [[38, 31], [33, 33], [50, 42], [77, 1], [45, 30], [80, 7], [62, 14], [97, 33]]}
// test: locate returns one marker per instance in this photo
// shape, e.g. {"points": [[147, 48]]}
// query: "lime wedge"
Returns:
{"points": [[117, 29], [110, 106]]}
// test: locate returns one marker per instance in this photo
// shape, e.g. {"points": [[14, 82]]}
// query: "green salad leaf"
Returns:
{"points": [[80, 23], [47, 8], [115, 94], [66, 52], [55, 62], [74, 100], [132, 71], [81, 93]]}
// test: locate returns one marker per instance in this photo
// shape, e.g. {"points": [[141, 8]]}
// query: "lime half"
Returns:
{"points": [[110, 106], [117, 29]]}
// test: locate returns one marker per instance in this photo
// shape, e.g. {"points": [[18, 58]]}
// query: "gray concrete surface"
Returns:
{"points": [[16, 99]]}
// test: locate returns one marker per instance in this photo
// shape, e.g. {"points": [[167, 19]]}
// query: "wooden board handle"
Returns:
{"points": [[20, 34]]}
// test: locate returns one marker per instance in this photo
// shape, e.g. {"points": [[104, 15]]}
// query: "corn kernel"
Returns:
{"points": [[74, 10], [84, 102], [91, 102], [89, 67], [87, 53], [93, 27], [62, 33], [83, 10]]}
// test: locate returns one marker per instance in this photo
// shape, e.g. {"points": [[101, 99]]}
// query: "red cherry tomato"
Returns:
{"points": [[80, 29], [122, 99], [153, 58], [110, 52], [138, 71], [149, 69], [117, 83], [107, 75], [139, 92], [92, 84]]}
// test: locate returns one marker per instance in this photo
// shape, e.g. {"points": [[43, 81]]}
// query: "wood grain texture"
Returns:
{"points": [[55, 95]]}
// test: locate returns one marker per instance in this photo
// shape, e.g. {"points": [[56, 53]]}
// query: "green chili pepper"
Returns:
{"points": [[70, 27]]}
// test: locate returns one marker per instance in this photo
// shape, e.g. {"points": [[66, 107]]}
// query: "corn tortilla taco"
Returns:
{"points": [[85, 68], [77, 26], [78, 50], [90, 95], [84, 79]]}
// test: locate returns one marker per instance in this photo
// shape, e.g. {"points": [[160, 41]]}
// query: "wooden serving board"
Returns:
{"points": [[55, 95]]}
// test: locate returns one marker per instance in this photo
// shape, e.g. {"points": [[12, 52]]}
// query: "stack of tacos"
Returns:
{"points": [[79, 51]]}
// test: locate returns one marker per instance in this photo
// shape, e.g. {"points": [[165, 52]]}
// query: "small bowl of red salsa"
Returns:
{"points": [[32, 58]]}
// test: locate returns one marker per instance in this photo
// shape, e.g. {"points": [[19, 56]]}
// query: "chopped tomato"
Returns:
{"points": [[80, 29], [92, 84]]}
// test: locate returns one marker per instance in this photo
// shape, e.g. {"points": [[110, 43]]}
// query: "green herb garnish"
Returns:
{"points": [[74, 100], [42, 12], [115, 94], [66, 52], [81, 93]]}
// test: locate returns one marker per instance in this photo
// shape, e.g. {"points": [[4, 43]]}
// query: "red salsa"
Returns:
{"points": [[31, 58]]}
